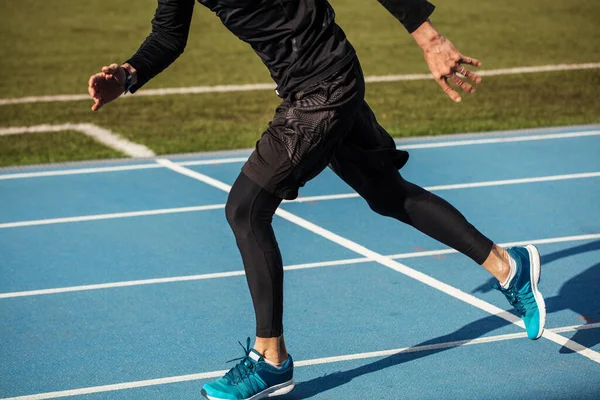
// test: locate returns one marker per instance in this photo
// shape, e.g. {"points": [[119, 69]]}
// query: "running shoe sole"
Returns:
{"points": [[535, 274], [273, 391]]}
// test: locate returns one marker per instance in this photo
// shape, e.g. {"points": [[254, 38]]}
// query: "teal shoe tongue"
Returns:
{"points": [[255, 355]]}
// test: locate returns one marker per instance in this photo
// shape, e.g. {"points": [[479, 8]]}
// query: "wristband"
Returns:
{"points": [[128, 81]]}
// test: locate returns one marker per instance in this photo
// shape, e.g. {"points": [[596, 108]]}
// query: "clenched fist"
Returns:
{"points": [[107, 85]]}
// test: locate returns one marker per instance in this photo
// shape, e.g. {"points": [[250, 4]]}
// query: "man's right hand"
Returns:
{"points": [[107, 85], [446, 62]]}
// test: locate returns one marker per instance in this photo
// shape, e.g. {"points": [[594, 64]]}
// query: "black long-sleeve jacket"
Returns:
{"points": [[298, 40]]}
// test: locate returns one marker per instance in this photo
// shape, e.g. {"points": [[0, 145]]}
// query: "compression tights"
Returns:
{"points": [[250, 211]]}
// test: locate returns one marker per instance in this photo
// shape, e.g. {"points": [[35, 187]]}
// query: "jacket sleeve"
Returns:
{"points": [[166, 42], [411, 13]]}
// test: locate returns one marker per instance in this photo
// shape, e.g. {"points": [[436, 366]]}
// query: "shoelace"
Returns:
{"points": [[244, 368], [519, 301]]}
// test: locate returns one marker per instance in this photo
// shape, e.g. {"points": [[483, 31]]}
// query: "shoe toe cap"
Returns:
{"points": [[219, 390], [532, 323]]}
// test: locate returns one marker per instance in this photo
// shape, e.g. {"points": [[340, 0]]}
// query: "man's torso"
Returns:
{"points": [[298, 40]]}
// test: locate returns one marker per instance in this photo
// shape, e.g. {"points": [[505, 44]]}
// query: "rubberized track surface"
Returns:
{"points": [[122, 280]]}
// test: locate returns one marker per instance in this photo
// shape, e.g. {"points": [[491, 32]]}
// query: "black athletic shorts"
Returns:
{"points": [[328, 123]]}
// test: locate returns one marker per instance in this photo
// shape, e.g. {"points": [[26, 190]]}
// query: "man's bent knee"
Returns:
{"points": [[237, 212]]}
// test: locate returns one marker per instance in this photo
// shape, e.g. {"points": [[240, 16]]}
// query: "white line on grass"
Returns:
{"points": [[100, 135], [306, 199], [491, 72], [119, 168], [394, 265], [320, 264], [271, 86], [303, 363]]}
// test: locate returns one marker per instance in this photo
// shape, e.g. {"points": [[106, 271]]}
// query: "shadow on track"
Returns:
{"points": [[579, 294]]}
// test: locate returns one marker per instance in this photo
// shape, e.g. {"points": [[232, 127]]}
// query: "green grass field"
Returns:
{"points": [[53, 47]]}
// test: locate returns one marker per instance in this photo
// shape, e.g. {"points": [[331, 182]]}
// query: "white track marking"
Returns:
{"points": [[303, 363], [193, 174], [309, 199], [100, 135], [514, 181], [564, 239], [271, 86], [320, 264], [471, 142], [583, 175], [184, 278], [138, 282], [396, 266], [549, 136], [78, 171], [432, 282], [96, 217], [215, 161]]}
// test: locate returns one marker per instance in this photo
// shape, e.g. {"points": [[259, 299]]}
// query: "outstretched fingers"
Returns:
{"points": [[443, 82], [469, 60], [468, 74], [462, 84]]}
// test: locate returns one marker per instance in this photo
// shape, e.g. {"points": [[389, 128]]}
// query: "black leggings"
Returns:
{"points": [[250, 212]]}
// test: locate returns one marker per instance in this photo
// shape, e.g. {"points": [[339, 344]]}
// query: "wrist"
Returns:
{"points": [[426, 36], [132, 72]]}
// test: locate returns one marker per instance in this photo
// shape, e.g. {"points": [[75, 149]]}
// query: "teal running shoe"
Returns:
{"points": [[523, 293], [252, 379]]}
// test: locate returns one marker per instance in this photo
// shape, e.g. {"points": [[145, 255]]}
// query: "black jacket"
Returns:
{"points": [[298, 40]]}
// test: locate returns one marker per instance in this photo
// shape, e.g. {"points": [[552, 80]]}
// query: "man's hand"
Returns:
{"points": [[107, 85], [445, 62]]}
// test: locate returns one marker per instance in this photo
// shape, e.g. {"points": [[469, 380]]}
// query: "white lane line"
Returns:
{"points": [[78, 171], [396, 266], [583, 175], [193, 174], [432, 282], [307, 199], [563, 239], [515, 181], [320, 264], [100, 135], [97, 217], [184, 278], [303, 363], [470, 142], [119, 168], [215, 161], [271, 86]]}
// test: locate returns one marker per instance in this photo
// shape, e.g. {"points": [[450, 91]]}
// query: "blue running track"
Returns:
{"points": [[121, 280]]}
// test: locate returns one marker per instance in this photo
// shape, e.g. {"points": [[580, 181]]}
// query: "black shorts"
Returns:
{"points": [[328, 123]]}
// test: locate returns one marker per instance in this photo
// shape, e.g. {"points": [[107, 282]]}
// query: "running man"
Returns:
{"points": [[323, 120]]}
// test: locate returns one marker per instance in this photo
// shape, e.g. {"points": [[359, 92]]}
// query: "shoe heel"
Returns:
{"points": [[534, 255], [283, 390]]}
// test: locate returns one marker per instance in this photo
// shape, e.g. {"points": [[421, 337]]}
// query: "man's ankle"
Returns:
{"points": [[272, 349], [498, 264], [275, 358]]}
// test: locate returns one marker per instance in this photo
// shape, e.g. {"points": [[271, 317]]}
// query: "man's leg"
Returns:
{"points": [[368, 161], [250, 211], [266, 370], [301, 139]]}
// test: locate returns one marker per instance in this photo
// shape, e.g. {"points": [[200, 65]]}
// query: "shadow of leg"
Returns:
{"points": [[324, 383]]}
